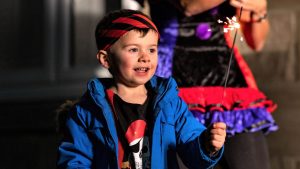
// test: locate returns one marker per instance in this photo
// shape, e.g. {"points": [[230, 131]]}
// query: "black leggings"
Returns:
{"points": [[245, 151]]}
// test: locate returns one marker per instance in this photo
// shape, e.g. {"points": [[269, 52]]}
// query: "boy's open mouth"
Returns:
{"points": [[142, 69]]}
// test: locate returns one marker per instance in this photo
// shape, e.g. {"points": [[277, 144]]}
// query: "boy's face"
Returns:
{"points": [[133, 58]]}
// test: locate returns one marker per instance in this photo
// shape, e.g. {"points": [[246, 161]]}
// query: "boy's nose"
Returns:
{"points": [[144, 57]]}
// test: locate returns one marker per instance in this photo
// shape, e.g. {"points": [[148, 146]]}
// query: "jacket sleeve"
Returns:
{"points": [[75, 150], [190, 139]]}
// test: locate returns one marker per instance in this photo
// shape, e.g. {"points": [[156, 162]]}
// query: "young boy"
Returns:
{"points": [[135, 119]]}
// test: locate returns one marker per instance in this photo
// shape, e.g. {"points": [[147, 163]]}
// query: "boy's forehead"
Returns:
{"points": [[136, 38]]}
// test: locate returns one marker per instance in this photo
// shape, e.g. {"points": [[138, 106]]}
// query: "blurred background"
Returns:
{"points": [[47, 54]]}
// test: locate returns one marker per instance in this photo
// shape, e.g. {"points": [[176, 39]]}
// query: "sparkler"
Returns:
{"points": [[232, 24]]}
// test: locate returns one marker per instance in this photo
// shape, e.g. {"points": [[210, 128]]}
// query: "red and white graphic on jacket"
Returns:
{"points": [[135, 136]]}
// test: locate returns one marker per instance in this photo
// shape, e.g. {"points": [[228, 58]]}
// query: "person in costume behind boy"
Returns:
{"points": [[135, 119], [195, 50]]}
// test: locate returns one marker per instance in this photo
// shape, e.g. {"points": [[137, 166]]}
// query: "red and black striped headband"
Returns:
{"points": [[120, 26]]}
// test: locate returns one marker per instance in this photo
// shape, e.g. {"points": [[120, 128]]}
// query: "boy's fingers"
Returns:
{"points": [[216, 145], [219, 138], [219, 125], [221, 132]]}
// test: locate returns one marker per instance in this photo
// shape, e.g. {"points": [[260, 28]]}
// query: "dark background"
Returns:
{"points": [[47, 54]]}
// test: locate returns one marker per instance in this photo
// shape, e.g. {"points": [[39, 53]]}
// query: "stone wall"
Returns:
{"points": [[278, 75]]}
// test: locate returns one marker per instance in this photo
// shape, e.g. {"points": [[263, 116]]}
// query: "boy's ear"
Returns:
{"points": [[102, 57]]}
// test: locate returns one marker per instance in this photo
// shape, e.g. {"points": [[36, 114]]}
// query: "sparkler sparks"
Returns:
{"points": [[231, 24]]}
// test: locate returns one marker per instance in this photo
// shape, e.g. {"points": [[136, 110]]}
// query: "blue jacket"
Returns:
{"points": [[92, 141]]}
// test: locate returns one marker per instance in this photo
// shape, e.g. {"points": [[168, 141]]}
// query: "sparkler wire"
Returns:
{"points": [[230, 59]]}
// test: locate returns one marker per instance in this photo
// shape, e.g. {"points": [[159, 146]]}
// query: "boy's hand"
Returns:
{"points": [[216, 137]]}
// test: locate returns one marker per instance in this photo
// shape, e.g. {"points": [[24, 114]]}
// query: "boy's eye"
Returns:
{"points": [[133, 50], [153, 50]]}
